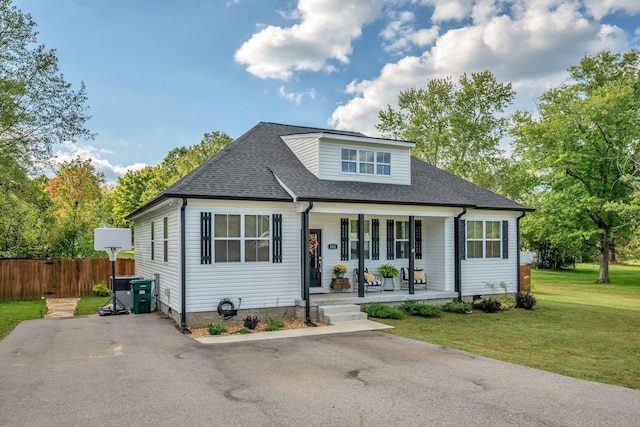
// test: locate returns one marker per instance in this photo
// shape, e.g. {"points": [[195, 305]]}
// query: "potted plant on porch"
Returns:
{"points": [[388, 271], [339, 270]]}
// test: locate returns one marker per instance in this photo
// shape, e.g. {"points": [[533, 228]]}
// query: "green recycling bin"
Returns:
{"points": [[141, 296]]}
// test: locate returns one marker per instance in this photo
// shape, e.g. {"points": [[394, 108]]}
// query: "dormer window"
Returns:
{"points": [[366, 162]]}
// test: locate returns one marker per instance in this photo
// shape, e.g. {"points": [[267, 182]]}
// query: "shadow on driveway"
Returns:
{"points": [[140, 370]]}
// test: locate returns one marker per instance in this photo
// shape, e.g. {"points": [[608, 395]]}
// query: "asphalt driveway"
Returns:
{"points": [[140, 370]]}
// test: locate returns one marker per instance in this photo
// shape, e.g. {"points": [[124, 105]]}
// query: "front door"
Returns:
{"points": [[315, 258]]}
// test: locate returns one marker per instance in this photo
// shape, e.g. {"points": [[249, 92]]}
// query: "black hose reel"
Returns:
{"points": [[227, 309]]}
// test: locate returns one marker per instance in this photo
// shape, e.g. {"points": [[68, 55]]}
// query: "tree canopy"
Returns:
{"points": [[456, 126], [583, 147]]}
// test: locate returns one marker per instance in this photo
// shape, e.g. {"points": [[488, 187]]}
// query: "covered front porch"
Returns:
{"points": [[385, 297]]}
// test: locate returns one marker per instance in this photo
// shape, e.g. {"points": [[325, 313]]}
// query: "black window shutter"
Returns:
{"points": [[344, 239], [463, 239], [391, 241], [505, 239], [276, 220], [375, 239], [205, 237], [418, 242]]}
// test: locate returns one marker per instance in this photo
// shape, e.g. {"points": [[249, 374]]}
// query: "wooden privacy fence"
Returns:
{"points": [[525, 278], [22, 279]]}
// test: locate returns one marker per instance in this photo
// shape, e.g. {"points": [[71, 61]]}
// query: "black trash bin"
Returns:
{"points": [[141, 296]]}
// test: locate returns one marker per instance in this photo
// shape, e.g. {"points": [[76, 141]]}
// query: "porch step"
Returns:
{"points": [[330, 314]]}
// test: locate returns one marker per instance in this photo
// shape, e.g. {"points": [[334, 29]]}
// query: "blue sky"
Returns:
{"points": [[161, 73]]}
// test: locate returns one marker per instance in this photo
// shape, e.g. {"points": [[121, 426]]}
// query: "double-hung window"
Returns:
{"points": [[366, 162], [402, 239], [484, 239], [242, 238], [353, 238]]}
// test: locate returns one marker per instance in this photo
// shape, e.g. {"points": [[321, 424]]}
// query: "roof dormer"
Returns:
{"points": [[343, 157]]}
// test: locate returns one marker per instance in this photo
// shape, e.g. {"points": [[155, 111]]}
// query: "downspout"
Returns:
{"points": [[183, 264], [305, 257], [458, 260], [360, 255], [518, 248]]}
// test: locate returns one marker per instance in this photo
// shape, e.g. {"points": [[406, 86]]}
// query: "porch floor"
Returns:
{"points": [[388, 297]]}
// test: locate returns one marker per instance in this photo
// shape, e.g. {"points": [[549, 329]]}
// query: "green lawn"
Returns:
{"points": [[91, 304], [578, 328], [14, 312]]}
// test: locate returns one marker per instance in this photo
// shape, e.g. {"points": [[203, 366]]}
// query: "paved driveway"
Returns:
{"points": [[139, 370]]}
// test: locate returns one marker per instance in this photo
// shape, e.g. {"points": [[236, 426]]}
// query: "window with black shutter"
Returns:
{"points": [[505, 239], [390, 239], [205, 237], [375, 239], [418, 240], [344, 239], [277, 238]]}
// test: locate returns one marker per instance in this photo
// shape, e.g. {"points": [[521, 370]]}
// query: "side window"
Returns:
{"points": [[484, 239], [227, 238], [353, 238], [402, 239], [166, 238], [349, 160]]}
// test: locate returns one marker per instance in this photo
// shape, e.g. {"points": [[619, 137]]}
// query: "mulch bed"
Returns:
{"points": [[232, 329]]}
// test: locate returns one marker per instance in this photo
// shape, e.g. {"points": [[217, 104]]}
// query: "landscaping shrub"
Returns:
{"points": [[420, 309], [274, 324], [506, 302], [217, 329], [382, 311], [489, 305], [251, 322], [525, 300], [101, 290], [456, 306]]}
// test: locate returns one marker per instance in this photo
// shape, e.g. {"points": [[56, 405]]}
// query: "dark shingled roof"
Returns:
{"points": [[248, 167]]}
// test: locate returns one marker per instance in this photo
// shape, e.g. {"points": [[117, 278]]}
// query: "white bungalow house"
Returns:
{"points": [[263, 222]]}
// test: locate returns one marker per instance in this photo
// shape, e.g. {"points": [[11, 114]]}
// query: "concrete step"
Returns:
{"points": [[330, 314]]}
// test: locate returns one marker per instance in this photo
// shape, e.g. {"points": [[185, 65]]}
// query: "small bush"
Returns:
{"points": [[420, 309], [274, 324], [382, 311], [101, 290], [506, 302], [243, 330], [251, 322], [217, 329], [525, 300], [490, 305], [456, 306]]}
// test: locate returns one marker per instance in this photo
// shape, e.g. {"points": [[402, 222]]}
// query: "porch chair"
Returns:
{"points": [[370, 280], [419, 279]]}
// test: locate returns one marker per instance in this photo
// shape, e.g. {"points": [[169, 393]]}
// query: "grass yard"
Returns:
{"points": [[91, 304], [14, 312], [577, 328]]}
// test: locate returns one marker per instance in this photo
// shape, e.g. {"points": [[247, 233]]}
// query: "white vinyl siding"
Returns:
{"points": [[478, 272], [169, 271], [259, 284], [331, 163], [306, 149]]}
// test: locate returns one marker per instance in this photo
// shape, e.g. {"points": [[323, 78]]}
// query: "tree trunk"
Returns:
{"points": [[604, 258]]}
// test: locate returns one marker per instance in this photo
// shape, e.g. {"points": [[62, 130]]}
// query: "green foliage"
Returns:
{"points": [[582, 147], [388, 270], [217, 329], [456, 306], [421, 309], [243, 331], [101, 290], [14, 312], [382, 311], [489, 304], [274, 323], [456, 127], [91, 304], [251, 322], [127, 196], [525, 300], [507, 302]]}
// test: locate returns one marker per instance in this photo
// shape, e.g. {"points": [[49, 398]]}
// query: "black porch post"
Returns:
{"points": [[412, 253], [361, 255]]}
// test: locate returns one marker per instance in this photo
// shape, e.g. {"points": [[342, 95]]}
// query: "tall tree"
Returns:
{"points": [[457, 127], [584, 144], [76, 193], [38, 108]]}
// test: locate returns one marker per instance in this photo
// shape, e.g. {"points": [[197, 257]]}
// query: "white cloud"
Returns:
{"points": [[70, 151], [296, 97], [601, 8], [531, 48], [449, 10], [325, 33], [400, 33]]}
